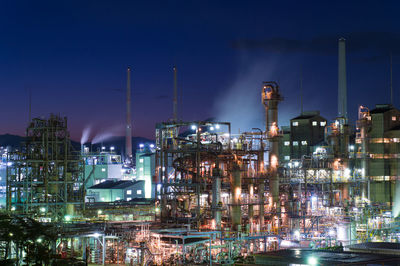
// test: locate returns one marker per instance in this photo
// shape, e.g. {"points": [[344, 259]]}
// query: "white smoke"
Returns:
{"points": [[241, 104], [86, 134], [108, 133]]}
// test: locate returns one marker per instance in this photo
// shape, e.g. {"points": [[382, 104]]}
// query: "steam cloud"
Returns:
{"points": [[241, 105], [86, 134], [108, 133]]}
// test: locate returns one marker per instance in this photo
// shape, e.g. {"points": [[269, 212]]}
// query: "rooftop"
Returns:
{"points": [[321, 257], [110, 184], [381, 108]]}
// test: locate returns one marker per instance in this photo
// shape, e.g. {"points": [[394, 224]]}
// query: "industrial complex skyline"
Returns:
{"points": [[199, 133], [72, 57]]}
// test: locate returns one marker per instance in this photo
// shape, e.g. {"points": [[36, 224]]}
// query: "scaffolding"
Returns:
{"points": [[45, 177]]}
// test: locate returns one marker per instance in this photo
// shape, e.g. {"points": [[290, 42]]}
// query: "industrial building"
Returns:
{"points": [[305, 133], [205, 195], [109, 191]]}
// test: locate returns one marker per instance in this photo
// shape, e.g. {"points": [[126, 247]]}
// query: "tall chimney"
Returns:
{"points": [[342, 80], [128, 135], [175, 107]]}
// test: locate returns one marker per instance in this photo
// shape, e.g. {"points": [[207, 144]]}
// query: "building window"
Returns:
{"points": [[393, 118], [287, 158], [287, 143], [129, 192], [323, 123], [295, 124], [304, 142], [139, 192], [140, 160], [128, 199], [314, 123], [295, 143], [103, 169]]}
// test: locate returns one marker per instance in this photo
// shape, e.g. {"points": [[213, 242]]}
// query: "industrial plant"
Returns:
{"points": [[316, 192]]}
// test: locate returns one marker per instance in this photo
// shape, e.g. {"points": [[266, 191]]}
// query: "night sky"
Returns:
{"points": [[72, 56]]}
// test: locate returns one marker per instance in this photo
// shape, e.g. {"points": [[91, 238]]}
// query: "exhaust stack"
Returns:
{"points": [[128, 135], [175, 110], [342, 80]]}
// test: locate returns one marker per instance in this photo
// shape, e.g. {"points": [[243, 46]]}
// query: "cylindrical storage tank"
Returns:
{"points": [[345, 233], [236, 195], [70, 209]]}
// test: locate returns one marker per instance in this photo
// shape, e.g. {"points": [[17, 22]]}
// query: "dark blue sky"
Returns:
{"points": [[73, 56]]}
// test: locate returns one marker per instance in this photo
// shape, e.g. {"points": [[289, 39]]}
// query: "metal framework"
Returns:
{"points": [[45, 178]]}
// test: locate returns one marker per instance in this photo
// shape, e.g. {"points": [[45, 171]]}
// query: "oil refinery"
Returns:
{"points": [[312, 193]]}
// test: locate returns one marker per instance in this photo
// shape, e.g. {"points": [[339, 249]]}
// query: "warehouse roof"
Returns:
{"points": [[381, 108], [110, 184], [307, 115]]}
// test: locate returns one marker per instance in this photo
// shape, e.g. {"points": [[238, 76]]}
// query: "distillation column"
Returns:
{"points": [[363, 123], [216, 198], [236, 191], [271, 99]]}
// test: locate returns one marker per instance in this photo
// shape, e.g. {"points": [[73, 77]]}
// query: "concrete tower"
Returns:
{"points": [[128, 135], [175, 104], [342, 80]]}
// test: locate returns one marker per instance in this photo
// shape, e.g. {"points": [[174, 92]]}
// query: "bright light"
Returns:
{"points": [[152, 146], [217, 126], [157, 210], [112, 148], [141, 145], [296, 164], [313, 198], [43, 209], [13, 208], [103, 148], [193, 127], [99, 212], [347, 173], [96, 235], [274, 161], [39, 240], [312, 261], [10, 234], [352, 147], [9, 163], [67, 218], [211, 128], [297, 234]]}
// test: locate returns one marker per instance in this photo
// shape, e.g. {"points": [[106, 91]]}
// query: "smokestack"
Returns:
{"points": [[175, 107], [342, 80], [391, 79], [128, 140]]}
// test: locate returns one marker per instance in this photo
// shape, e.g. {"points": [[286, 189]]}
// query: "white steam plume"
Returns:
{"points": [[241, 104], [86, 134], [108, 133]]}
